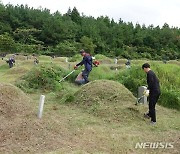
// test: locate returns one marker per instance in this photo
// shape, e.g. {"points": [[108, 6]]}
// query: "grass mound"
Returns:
{"points": [[13, 101], [106, 99], [44, 77], [20, 130], [17, 70]]}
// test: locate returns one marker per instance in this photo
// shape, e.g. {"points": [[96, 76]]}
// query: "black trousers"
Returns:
{"points": [[153, 98], [85, 75], [10, 65]]}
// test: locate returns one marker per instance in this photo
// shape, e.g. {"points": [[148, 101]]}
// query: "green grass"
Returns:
{"points": [[168, 75], [68, 128], [87, 133]]}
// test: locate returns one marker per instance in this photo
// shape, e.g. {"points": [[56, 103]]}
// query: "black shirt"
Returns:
{"points": [[153, 82]]}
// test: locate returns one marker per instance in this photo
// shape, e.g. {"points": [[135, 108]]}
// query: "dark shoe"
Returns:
{"points": [[86, 82], [146, 115]]}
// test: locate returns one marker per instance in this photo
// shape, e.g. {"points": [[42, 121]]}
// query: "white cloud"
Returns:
{"points": [[155, 12]]}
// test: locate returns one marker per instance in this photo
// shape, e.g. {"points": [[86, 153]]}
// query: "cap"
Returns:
{"points": [[82, 51]]}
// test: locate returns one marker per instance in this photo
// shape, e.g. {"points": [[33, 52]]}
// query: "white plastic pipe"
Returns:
{"points": [[41, 104]]}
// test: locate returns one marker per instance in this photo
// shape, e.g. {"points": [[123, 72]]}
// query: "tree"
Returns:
{"points": [[26, 36], [7, 43], [75, 16], [66, 48], [87, 44], [39, 30]]}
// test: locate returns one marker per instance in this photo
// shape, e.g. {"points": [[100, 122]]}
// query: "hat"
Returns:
{"points": [[82, 51]]}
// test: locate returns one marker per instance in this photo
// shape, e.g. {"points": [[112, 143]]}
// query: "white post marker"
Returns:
{"points": [[41, 104], [115, 60]]}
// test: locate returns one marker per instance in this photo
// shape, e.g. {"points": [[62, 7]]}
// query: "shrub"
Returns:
{"points": [[42, 77], [132, 78], [168, 75], [75, 58]]}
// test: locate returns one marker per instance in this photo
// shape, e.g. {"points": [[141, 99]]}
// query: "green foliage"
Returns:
{"points": [[75, 58], [7, 43], [101, 72], [170, 98], [66, 48], [168, 75], [170, 84], [39, 31], [101, 57], [26, 36], [43, 77], [75, 16], [132, 78], [87, 44], [27, 48]]}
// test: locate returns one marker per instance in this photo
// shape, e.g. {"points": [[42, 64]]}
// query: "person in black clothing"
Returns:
{"points": [[87, 61], [154, 92], [128, 63], [11, 62]]}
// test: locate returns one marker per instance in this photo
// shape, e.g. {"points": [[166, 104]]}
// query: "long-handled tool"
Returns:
{"points": [[67, 75]]}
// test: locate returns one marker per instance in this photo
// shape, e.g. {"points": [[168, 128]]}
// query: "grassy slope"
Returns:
{"points": [[73, 130]]}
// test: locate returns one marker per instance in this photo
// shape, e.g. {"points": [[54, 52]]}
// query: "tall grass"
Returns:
{"points": [[102, 72], [97, 73], [169, 77], [43, 77]]}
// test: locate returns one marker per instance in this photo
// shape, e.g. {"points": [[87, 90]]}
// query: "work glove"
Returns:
{"points": [[146, 93]]}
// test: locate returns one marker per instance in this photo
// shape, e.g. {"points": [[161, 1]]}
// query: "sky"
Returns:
{"points": [[155, 12]]}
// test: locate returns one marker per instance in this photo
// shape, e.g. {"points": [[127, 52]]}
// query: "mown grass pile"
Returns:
{"points": [[107, 99], [13, 102]]}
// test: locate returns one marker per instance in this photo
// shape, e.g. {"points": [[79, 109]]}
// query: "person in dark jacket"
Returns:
{"points": [[87, 62], [154, 92], [11, 62], [128, 64]]}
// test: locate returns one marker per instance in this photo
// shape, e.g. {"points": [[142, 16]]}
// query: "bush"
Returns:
{"points": [[43, 77], [170, 98], [170, 84], [132, 78], [75, 58], [168, 75], [101, 72]]}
